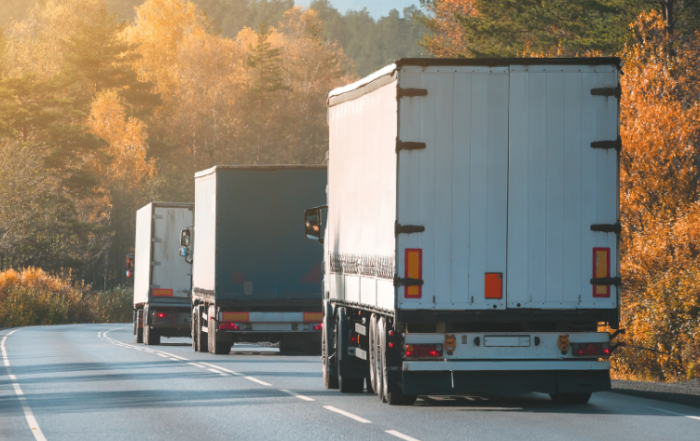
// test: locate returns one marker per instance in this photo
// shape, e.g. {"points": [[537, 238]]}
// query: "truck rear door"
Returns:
{"points": [[171, 275], [559, 186], [456, 187]]}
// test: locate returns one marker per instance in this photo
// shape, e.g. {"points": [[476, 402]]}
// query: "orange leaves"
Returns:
{"points": [[660, 203], [447, 39], [126, 138]]}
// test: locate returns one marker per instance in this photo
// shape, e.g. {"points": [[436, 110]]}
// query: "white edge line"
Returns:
{"points": [[347, 414], [675, 413], [257, 381], [28, 415], [401, 435], [301, 397]]}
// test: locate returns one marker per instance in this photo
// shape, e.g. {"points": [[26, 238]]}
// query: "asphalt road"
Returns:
{"points": [[91, 382]]}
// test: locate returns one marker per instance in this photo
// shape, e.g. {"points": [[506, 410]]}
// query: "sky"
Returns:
{"points": [[376, 8]]}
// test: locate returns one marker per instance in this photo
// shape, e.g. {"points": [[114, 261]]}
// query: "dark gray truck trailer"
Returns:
{"points": [[255, 276]]}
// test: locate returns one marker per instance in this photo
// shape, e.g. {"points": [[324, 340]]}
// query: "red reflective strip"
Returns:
{"points": [[157, 292], [493, 286], [235, 316]]}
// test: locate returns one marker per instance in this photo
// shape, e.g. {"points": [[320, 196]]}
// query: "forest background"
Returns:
{"points": [[106, 105]]}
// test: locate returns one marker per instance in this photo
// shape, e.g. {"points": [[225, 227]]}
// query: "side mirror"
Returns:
{"points": [[129, 265], [183, 252], [185, 235], [312, 223]]}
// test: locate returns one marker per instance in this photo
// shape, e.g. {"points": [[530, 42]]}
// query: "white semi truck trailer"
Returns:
{"points": [[162, 279], [472, 228]]}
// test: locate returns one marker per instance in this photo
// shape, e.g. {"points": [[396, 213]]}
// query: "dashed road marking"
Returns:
{"points": [[676, 413], [222, 369], [347, 414], [196, 365], [257, 381], [28, 415], [301, 397], [401, 435]]}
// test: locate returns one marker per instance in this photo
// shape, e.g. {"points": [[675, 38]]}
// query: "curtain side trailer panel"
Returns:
{"points": [[254, 272], [162, 279], [473, 205]]}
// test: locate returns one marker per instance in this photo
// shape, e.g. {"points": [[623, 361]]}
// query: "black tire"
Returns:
{"points": [[346, 384], [392, 392], [375, 358], [571, 398], [201, 344], [215, 347], [330, 373], [193, 328], [138, 333], [150, 336]]}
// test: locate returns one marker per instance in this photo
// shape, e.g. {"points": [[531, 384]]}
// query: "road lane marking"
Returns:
{"points": [[161, 355], [222, 369], [301, 397], [28, 415], [118, 343], [218, 372], [401, 435], [257, 381], [347, 414], [676, 413], [196, 365]]}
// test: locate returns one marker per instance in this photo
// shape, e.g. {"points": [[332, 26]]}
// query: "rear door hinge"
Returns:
{"points": [[616, 144], [607, 228], [616, 281], [407, 229], [407, 282], [400, 145], [410, 93], [607, 91]]}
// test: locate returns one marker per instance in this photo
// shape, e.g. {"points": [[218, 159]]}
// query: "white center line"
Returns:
{"points": [[222, 369], [401, 435], [676, 413], [28, 415], [216, 372], [347, 414], [257, 381], [161, 355], [301, 397]]}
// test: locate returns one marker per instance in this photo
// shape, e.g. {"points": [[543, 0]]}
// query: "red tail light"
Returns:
{"points": [[590, 349], [161, 314], [318, 327], [353, 339], [228, 326], [423, 350]]}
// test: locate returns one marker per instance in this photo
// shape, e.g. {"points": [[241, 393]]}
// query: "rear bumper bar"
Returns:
{"points": [[509, 365]]}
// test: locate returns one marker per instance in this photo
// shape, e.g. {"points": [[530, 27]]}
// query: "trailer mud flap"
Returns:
{"points": [[506, 382]]}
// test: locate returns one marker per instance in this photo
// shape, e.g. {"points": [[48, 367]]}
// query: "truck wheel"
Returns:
{"points": [[571, 398], [345, 384], [215, 347], [150, 336], [139, 330], [392, 392], [375, 358], [200, 340], [330, 372]]}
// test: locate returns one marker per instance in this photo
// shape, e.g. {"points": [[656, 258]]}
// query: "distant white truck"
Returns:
{"points": [[162, 279], [472, 228]]}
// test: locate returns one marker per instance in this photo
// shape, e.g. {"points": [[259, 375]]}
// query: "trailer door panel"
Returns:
{"points": [[456, 187], [559, 186], [171, 273]]}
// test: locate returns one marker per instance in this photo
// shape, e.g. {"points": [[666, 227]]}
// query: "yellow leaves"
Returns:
{"points": [[448, 40], [159, 29], [126, 138]]}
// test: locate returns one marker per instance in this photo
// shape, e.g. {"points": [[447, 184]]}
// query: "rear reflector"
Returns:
{"points": [[318, 327], [228, 326], [423, 350], [601, 269], [493, 286], [313, 316], [158, 292], [161, 315], [235, 316], [588, 349], [413, 270]]}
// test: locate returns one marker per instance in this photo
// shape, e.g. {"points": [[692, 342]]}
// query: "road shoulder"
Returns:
{"points": [[686, 393]]}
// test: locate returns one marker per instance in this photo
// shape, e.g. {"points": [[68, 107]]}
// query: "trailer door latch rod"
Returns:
{"points": [[407, 282]]}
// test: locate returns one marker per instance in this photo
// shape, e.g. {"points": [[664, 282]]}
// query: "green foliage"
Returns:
{"points": [[510, 28]]}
